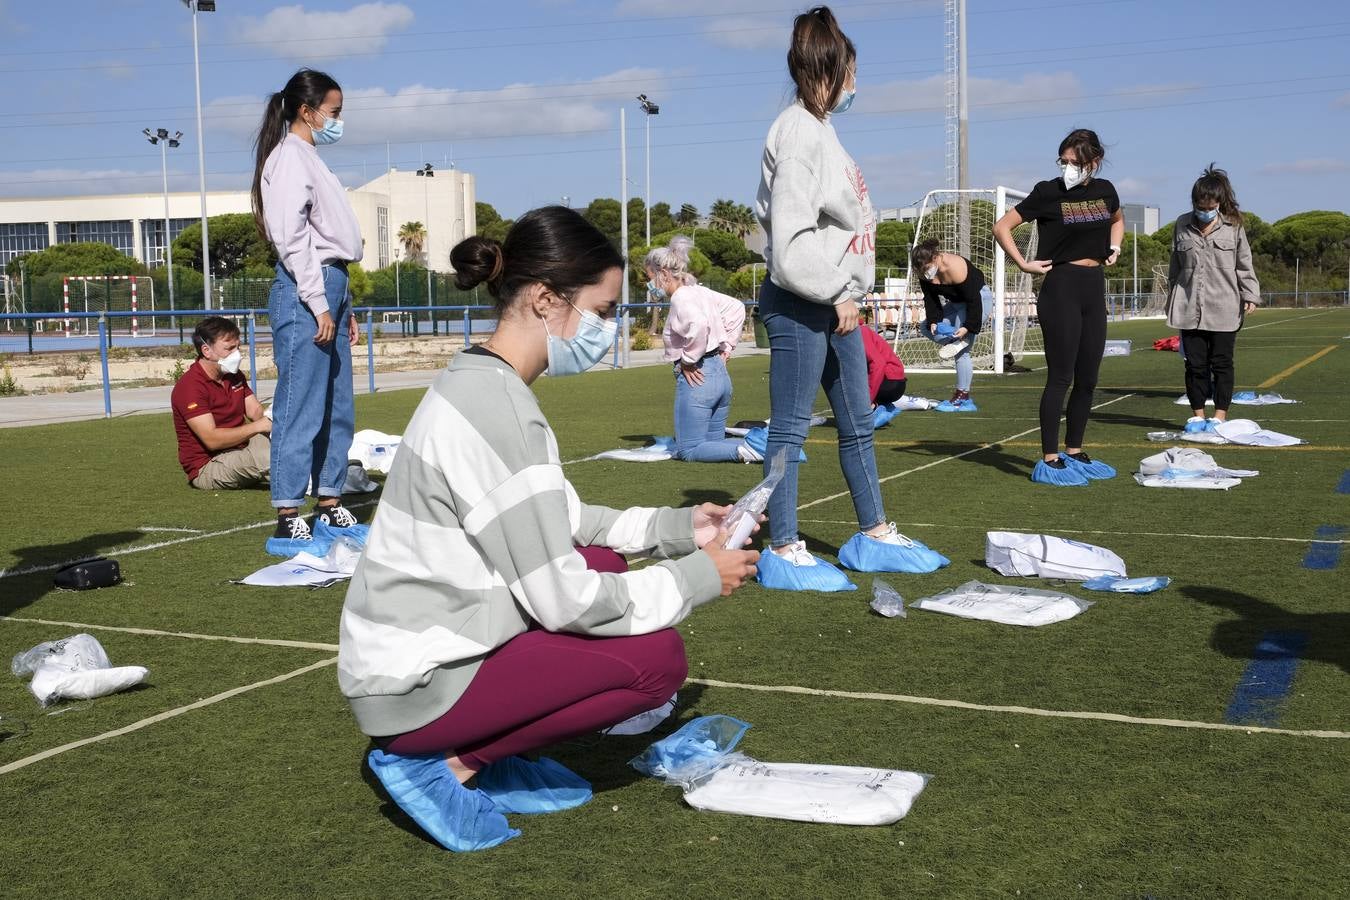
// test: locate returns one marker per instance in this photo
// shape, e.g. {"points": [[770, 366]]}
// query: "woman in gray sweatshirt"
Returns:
{"points": [[821, 255]]}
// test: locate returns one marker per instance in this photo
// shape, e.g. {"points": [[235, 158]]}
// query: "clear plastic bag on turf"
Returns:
{"points": [[887, 601], [74, 668], [695, 751], [740, 522]]}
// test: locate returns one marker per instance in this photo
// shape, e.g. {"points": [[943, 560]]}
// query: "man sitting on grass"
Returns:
{"points": [[222, 432]]}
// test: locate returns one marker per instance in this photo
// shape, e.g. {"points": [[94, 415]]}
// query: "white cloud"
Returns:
{"points": [[751, 32], [422, 113], [292, 31], [119, 69], [1343, 101], [928, 94], [738, 24], [1315, 166]]}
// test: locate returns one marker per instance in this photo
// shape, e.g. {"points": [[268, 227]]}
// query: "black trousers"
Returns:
{"points": [[1071, 308], [890, 391], [1209, 360]]}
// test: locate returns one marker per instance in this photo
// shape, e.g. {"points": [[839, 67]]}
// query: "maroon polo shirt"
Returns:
{"points": [[196, 394]]}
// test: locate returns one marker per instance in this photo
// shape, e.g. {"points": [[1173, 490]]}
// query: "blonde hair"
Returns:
{"points": [[672, 259]]}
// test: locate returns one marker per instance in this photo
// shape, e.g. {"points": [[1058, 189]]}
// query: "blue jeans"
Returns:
{"points": [[313, 416], [701, 415], [957, 314], [804, 354]]}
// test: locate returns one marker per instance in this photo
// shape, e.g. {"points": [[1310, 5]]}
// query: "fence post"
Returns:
{"points": [[253, 352], [467, 326], [615, 364], [103, 360], [30, 337], [370, 348]]}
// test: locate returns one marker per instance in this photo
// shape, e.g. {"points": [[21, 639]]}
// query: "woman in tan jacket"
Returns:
{"points": [[1213, 286]]}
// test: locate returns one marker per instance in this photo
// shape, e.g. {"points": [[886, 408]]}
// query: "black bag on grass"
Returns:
{"points": [[90, 574]]}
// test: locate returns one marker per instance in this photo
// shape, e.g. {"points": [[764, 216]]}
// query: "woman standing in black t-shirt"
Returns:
{"points": [[1079, 226]]}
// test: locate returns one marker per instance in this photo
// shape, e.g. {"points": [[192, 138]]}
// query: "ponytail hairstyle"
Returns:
{"points": [[553, 246], [1087, 147], [672, 259], [1213, 186], [924, 253], [819, 59], [307, 87]]}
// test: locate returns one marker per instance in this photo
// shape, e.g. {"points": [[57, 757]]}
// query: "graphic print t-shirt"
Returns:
{"points": [[1071, 224]]}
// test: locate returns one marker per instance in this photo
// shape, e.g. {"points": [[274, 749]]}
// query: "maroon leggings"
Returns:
{"points": [[544, 687]]}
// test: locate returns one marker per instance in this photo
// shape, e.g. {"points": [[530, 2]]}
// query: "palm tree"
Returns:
{"points": [[413, 237], [730, 216]]}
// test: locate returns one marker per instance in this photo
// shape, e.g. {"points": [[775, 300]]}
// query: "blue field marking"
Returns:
{"points": [[1266, 680], [1344, 486], [1325, 553]]}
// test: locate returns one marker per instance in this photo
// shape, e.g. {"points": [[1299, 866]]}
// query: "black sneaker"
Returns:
{"points": [[336, 516], [291, 537]]}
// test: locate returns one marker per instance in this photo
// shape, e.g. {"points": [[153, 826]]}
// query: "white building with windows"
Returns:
{"points": [[134, 223]]}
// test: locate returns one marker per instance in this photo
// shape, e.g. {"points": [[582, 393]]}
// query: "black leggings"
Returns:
{"points": [[890, 391], [1072, 311], [1209, 361]]}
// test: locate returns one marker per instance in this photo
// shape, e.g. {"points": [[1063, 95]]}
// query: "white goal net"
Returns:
{"points": [[962, 221], [134, 294]]}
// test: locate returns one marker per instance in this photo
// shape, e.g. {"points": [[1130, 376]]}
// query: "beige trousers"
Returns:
{"points": [[247, 466]]}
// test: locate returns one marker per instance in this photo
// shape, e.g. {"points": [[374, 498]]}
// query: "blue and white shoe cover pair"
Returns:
{"points": [[1093, 469], [966, 405], [462, 819], [882, 415], [321, 540], [757, 439], [1075, 473], [892, 552], [1200, 425]]}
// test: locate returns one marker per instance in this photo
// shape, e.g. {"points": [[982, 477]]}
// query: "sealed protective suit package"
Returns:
{"points": [[1014, 553], [740, 522], [699, 757], [1007, 605]]}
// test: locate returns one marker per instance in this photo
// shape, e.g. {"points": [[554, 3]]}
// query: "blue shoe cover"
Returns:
{"points": [[699, 747], [1065, 477], [966, 405], [868, 554], [757, 439], [944, 329], [288, 547], [425, 788], [882, 415], [1120, 585], [516, 785], [325, 534], [775, 572], [665, 442], [1199, 426], [1096, 470], [1244, 397]]}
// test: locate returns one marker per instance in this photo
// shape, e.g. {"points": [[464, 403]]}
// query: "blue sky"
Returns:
{"points": [[525, 93]]}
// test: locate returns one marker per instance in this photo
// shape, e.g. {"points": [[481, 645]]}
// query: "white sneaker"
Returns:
{"points": [[797, 554], [892, 536], [952, 350], [749, 454]]}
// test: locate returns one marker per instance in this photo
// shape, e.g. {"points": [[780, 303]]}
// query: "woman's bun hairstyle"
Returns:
{"points": [[477, 260], [924, 253]]}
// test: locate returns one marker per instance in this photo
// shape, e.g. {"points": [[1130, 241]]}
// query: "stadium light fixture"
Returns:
{"points": [[428, 171], [165, 141], [651, 109], [205, 6]]}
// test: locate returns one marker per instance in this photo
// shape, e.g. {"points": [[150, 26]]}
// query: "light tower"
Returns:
{"points": [[161, 137]]}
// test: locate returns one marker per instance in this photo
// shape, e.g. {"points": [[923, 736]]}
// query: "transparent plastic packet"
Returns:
{"points": [[745, 513], [887, 601]]}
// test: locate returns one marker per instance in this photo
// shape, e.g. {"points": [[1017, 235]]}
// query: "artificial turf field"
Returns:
{"points": [[263, 792]]}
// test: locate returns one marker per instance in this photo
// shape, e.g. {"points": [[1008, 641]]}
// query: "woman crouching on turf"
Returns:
{"points": [[700, 334], [473, 630], [955, 300], [1079, 227], [1213, 288]]}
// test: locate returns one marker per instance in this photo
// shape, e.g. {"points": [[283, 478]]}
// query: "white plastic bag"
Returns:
{"points": [[643, 722], [1013, 553], [1245, 431], [74, 668], [1031, 607]]}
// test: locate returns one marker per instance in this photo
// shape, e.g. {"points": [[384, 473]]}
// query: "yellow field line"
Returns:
{"points": [[1271, 382]]}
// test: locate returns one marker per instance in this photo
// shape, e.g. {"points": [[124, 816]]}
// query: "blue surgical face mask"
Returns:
{"points": [[574, 355], [657, 294], [845, 101], [1206, 215], [330, 133]]}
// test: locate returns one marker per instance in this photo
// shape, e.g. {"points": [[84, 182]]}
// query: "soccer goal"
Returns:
{"points": [[962, 221], [109, 293]]}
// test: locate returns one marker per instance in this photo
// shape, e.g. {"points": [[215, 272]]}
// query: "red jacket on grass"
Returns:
{"points": [[882, 363]]}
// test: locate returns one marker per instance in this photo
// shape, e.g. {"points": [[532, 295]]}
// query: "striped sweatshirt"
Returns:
{"points": [[474, 540]]}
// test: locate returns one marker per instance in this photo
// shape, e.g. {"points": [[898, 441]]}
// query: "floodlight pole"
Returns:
{"points": [[1136, 262], [651, 109], [623, 198], [161, 137], [201, 6]]}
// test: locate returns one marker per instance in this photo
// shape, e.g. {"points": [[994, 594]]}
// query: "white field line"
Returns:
{"points": [[1019, 710], [1282, 321], [270, 642], [938, 462], [160, 717], [141, 548], [1077, 530], [149, 528]]}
